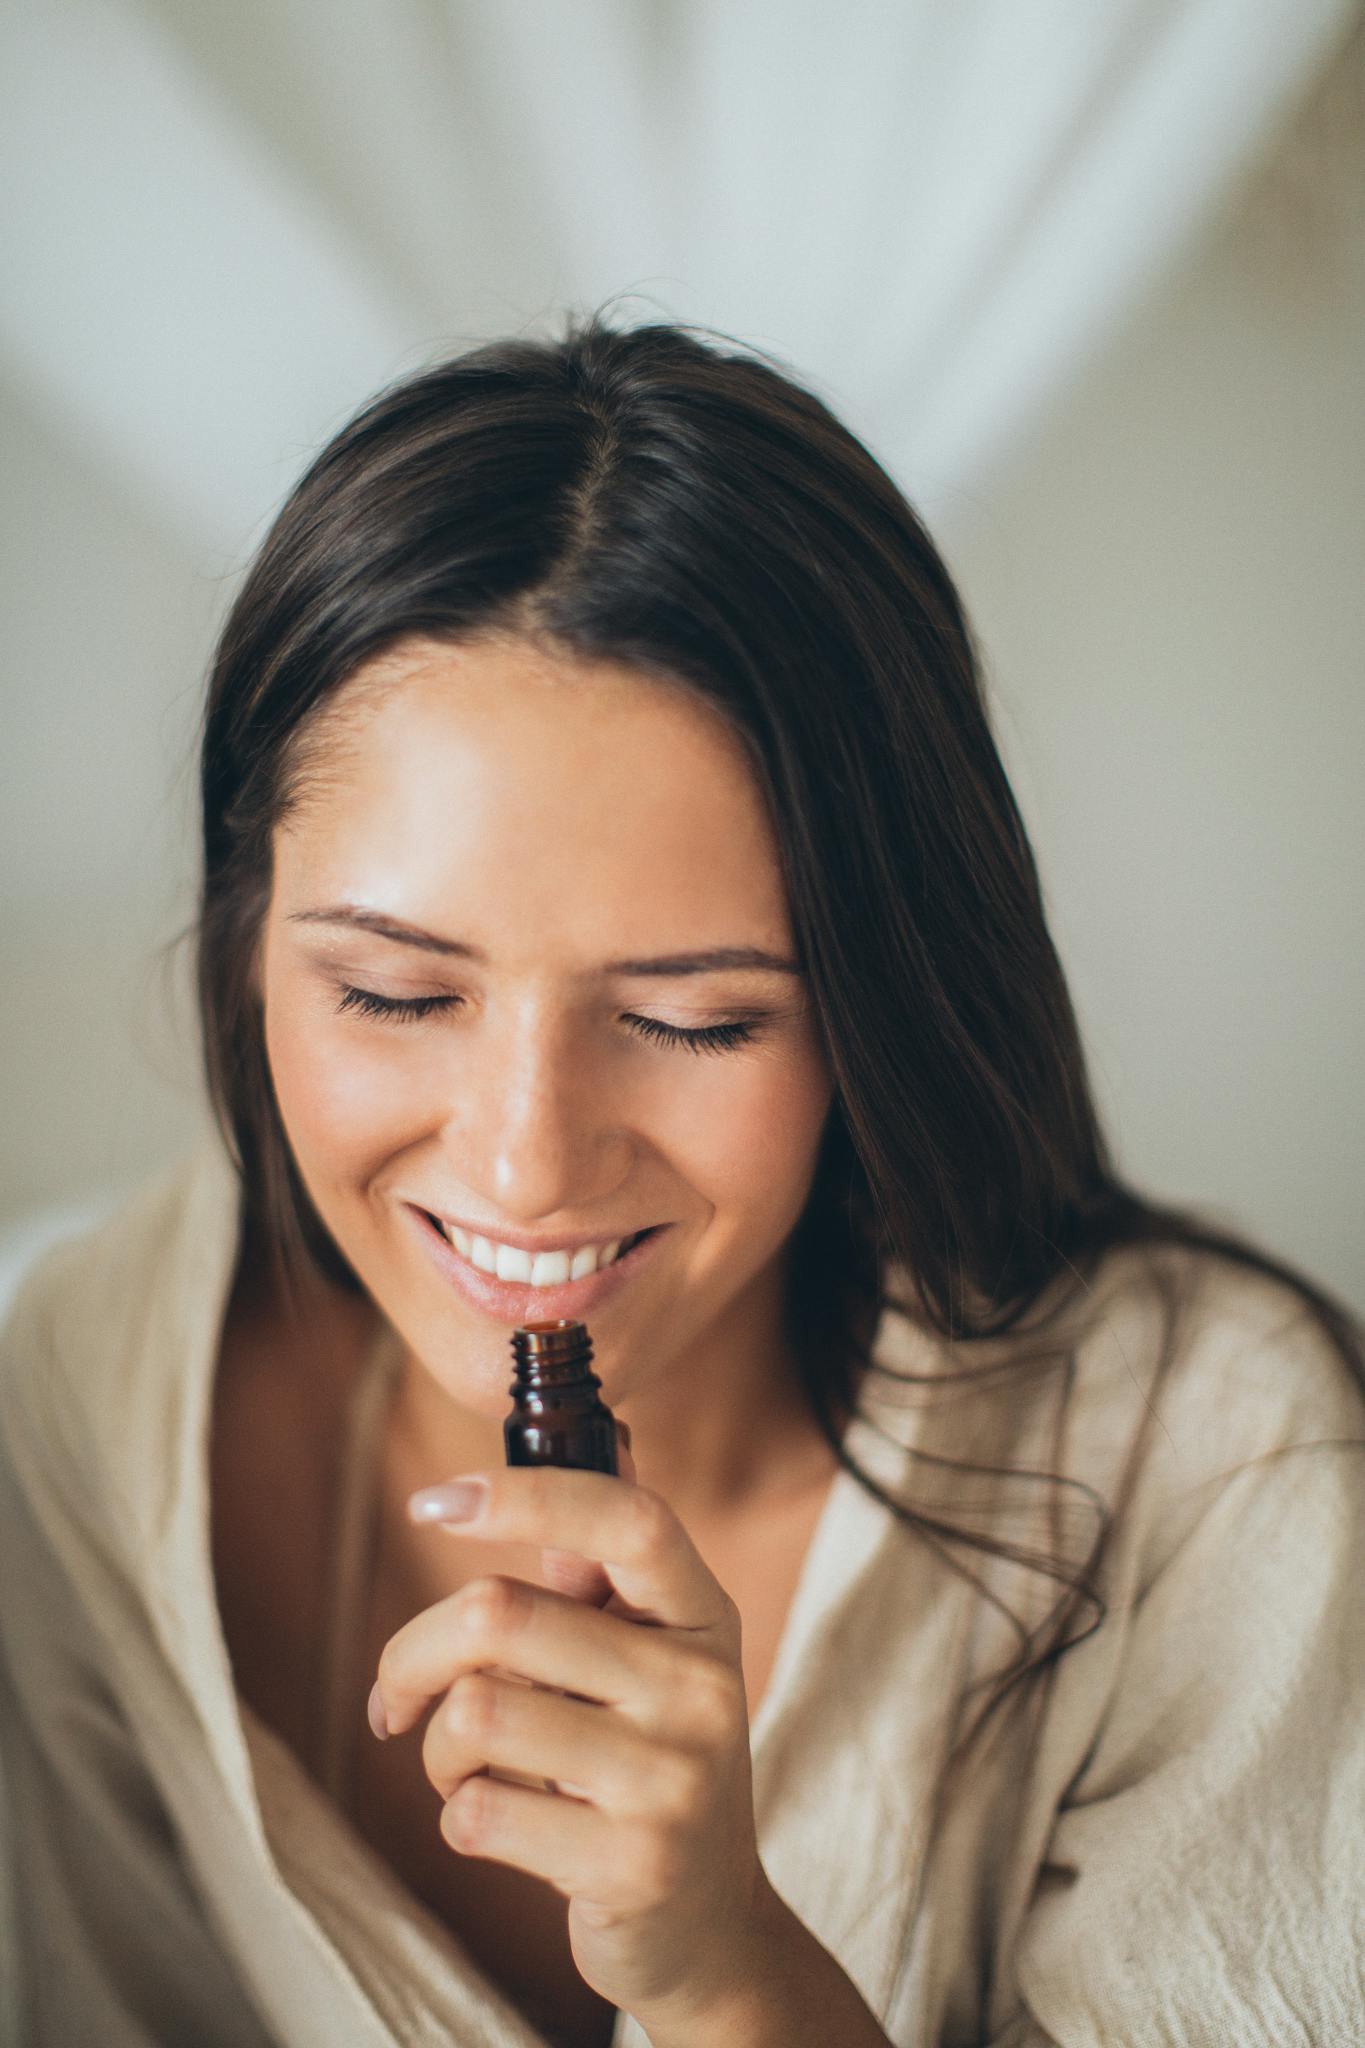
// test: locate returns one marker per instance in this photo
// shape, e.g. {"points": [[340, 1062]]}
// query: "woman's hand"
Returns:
{"points": [[650, 1832]]}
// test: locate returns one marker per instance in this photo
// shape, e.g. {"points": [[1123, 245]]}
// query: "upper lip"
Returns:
{"points": [[519, 1240]]}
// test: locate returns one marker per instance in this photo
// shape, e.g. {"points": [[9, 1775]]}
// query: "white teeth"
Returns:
{"points": [[541, 1269], [549, 1269]]}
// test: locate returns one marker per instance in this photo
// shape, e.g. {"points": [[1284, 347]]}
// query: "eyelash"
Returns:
{"points": [[707, 1038]]}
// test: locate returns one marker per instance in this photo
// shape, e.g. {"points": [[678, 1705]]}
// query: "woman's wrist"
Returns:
{"points": [[794, 1995]]}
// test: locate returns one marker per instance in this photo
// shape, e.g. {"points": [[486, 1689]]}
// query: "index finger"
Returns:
{"points": [[629, 1530]]}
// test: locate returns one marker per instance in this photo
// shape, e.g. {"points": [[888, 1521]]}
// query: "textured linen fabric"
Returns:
{"points": [[1162, 1843]]}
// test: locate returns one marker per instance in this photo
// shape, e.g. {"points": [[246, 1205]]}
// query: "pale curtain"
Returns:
{"points": [[225, 226]]}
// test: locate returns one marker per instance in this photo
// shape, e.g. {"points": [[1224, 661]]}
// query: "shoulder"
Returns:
{"points": [[1221, 1360], [1127, 1403], [1235, 1361], [90, 1287], [1198, 1380]]}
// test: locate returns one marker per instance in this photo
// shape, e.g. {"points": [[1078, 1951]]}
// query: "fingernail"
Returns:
{"points": [[458, 1501], [378, 1718]]}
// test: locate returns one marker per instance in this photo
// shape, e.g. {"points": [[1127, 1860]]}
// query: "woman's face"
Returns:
{"points": [[554, 827]]}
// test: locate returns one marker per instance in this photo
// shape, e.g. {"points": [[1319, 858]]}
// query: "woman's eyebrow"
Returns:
{"points": [[714, 960]]}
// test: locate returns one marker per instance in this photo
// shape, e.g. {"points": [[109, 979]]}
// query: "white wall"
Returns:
{"points": [[107, 628], [1168, 585]]}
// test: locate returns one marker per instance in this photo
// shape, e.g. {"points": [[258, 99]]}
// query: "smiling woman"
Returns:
{"points": [[526, 1078], [614, 906]]}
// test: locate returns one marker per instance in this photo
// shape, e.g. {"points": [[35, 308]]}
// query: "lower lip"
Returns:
{"points": [[510, 1301]]}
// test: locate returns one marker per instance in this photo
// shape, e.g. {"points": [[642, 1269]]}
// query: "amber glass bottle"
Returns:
{"points": [[558, 1417]]}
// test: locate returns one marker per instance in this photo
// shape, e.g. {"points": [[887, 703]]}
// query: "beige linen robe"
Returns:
{"points": [[1165, 1844]]}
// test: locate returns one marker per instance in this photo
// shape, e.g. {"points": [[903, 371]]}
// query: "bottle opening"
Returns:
{"points": [[558, 1346]]}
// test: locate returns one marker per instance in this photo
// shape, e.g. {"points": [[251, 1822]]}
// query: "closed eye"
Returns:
{"points": [[409, 1009], [371, 1005], [703, 1038]]}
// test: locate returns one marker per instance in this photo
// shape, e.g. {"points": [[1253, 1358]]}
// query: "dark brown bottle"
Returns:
{"points": [[557, 1416], [556, 1419]]}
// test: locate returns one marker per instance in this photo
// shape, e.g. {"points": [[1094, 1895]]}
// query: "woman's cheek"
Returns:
{"points": [[750, 1139], [337, 1092]]}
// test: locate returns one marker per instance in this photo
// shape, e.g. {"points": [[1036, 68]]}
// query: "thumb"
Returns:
{"points": [[579, 1577]]}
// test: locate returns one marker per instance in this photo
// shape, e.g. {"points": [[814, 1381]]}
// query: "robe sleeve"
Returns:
{"points": [[102, 1936], [1204, 1884]]}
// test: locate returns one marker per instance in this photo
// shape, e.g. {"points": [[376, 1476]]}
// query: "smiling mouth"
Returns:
{"points": [[523, 1277]]}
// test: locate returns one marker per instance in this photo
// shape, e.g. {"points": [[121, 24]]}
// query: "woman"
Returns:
{"points": [[614, 907]]}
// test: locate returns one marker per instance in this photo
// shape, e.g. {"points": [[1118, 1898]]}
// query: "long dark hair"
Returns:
{"points": [[683, 507]]}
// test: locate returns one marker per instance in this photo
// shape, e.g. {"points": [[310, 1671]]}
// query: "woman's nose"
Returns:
{"points": [[535, 1130]]}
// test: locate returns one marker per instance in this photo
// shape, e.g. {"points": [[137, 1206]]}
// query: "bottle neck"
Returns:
{"points": [[552, 1354]]}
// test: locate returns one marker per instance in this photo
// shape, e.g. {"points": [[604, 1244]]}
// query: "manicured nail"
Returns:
{"points": [[458, 1501], [378, 1718]]}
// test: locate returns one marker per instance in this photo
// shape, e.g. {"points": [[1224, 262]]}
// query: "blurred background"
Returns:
{"points": [[1088, 276]]}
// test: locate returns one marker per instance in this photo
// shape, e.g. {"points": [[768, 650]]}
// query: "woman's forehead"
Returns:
{"points": [[535, 775], [499, 692]]}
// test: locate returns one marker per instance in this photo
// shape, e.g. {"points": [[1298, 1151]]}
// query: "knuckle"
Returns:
{"points": [[649, 1526], [680, 1783], [471, 1707], [492, 1606], [715, 1700], [465, 1815]]}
